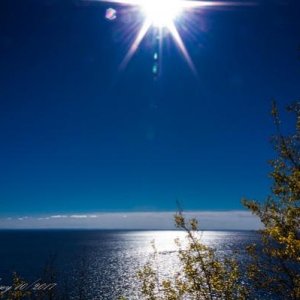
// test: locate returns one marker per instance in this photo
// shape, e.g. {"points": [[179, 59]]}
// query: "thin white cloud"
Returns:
{"points": [[22, 218], [224, 220], [83, 216], [79, 216]]}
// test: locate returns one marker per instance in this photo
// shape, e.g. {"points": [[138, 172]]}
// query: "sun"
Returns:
{"points": [[161, 13]]}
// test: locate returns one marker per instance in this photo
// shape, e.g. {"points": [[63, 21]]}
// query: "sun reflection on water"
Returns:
{"points": [[105, 263]]}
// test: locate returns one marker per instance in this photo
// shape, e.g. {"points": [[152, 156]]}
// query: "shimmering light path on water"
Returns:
{"points": [[104, 262]]}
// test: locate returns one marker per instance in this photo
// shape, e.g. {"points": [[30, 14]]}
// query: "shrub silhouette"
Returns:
{"points": [[276, 273]]}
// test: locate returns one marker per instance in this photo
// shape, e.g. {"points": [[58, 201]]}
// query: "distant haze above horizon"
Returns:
{"points": [[80, 134], [208, 220]]}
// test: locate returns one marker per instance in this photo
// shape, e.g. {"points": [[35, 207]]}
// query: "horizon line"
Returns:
{"points": [[133, 220]]}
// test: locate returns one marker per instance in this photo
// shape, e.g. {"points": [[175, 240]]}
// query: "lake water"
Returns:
{"points": [[104, 262]]}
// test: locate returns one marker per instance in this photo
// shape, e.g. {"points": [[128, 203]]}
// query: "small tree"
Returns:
{"points": [[203, 275], [17, 290], [275, 268]]}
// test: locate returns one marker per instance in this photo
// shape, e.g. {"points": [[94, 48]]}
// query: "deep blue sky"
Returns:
{"points": [[78, 135]]}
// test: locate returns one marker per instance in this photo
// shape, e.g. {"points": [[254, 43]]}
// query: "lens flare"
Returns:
{"points": [[161, 15], [111, 14]]}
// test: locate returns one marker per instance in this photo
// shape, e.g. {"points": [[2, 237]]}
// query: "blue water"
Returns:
{"points": [[104, 262]]}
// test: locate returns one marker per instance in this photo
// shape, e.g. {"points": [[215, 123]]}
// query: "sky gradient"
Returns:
{"points": [[79, 135]]}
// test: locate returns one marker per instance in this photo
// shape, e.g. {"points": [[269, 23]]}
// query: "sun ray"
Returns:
{"points": [[183, 3], [125, 2], [203, 4], [163, 15], [178, 40], [144, 29]]}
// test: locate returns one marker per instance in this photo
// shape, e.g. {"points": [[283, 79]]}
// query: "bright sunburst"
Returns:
{"points": [[162, 14]]}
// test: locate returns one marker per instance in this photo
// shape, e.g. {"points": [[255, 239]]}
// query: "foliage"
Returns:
{"points": [[37, 290], [203, 275], [273, 271], [17, 290], [276, 272]]}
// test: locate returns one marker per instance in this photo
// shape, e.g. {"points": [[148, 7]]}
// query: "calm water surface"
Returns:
{"points": [[105, 262]]}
